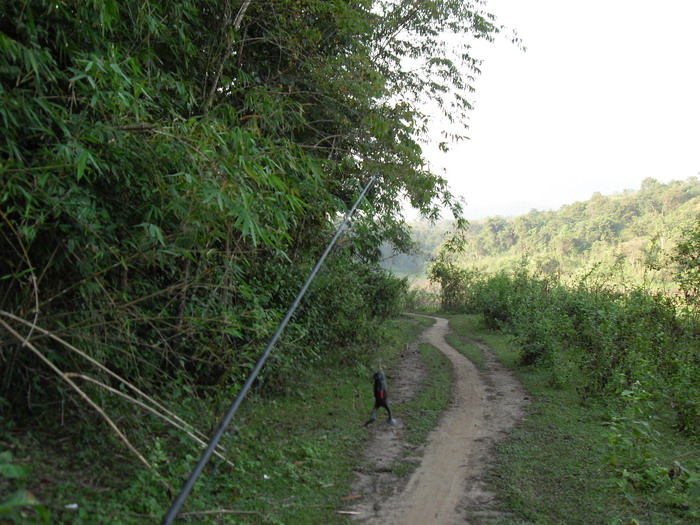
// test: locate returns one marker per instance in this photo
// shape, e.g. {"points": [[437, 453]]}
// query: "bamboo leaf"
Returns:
{"points": [[80, 163]]}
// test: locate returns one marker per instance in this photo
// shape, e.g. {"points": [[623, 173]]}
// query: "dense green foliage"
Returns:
{"points": [[619, 341], [627, 230], [171, 171], [627, 234], [568, 460]]}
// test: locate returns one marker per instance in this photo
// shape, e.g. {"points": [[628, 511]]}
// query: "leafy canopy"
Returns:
{"points": [[170, 170]]}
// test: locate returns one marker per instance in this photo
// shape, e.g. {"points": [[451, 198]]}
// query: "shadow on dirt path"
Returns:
{"points": [[447, 487]]}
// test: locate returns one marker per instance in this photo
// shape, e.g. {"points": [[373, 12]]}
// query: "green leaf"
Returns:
{"points": [[14, 471], [80, 163], [153, 231], [24, 498]]}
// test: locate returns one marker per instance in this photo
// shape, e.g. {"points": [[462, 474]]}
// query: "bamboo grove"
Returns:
{"points": [[170, 171]]}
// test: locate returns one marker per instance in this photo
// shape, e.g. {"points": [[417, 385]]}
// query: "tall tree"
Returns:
{"points": [[165, 164]]}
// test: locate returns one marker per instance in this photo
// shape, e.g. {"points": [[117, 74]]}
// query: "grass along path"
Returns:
{"points": [[294, 454], [554, 467]]}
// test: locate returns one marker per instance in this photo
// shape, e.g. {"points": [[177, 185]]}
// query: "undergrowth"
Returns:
{"points": [[606, 459], [292, 452]]}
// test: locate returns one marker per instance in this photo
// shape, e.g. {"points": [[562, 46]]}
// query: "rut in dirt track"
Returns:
{"points": [[447, 487]]}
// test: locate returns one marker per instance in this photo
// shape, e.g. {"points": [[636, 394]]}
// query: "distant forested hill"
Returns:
{"points": [[629, 231]]}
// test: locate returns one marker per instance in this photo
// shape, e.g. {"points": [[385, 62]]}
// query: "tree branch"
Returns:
{"points": [[228, 50], [105, 369], [89, 401], [147, 408]]}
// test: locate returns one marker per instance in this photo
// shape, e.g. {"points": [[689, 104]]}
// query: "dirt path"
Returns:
{"points": [[447, 487]]}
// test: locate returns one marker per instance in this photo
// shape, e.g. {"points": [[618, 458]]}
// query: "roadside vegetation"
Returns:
{"points": [[170, 172], [613, 434], [293, 453], [594, 460]]}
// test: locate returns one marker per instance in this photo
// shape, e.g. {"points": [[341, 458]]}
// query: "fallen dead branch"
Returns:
{"points": [[88, 400], [66, 344], [147, 408]]}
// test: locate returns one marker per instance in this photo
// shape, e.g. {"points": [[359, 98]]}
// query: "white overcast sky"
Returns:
{"points": [[606, 95]]}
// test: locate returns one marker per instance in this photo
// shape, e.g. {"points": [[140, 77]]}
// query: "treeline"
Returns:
{"points": [[629, 229], [629, 233], [171, 171]]}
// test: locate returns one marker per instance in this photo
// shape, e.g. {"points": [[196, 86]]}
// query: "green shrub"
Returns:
{"points": [[16, 504], [614, 339]]}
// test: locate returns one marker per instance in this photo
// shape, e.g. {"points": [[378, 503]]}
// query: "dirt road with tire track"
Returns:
{"points": [[447, 487]]}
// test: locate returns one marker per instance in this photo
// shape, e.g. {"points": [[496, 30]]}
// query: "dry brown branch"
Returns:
{"points": [[219, 511], [236, 24], [89, 401], [36, 307], [145, 407], [108, 371]]}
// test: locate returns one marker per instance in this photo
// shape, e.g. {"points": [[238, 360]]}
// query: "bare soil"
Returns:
{"points": [[448, 486]]}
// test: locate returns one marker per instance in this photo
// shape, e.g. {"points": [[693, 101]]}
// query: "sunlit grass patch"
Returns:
{"points": [[460, 337]]}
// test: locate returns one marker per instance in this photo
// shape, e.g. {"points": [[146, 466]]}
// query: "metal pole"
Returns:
{"points": [[189, 484]]}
